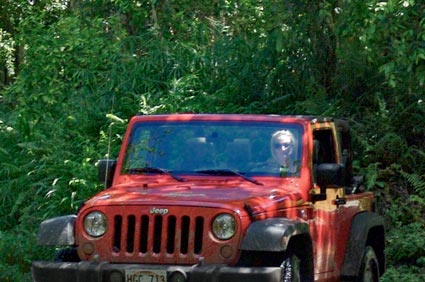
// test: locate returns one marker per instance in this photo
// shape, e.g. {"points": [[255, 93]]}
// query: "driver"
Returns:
{"points": [[282, 146]]}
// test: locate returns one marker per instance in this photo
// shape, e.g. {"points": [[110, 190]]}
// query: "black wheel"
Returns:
{"points": [[369, 269], [291, 269], [67, 255], [295, 267]]}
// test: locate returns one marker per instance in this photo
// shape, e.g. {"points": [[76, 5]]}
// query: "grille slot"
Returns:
{"points": [[158, 234], [199, 230], [171, 234], [185, 234], [117, 233], [131, 228], [144, 232]]}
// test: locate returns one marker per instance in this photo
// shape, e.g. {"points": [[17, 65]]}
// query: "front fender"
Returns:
{"points": [[58, 231], [367, 228], [272, 234]]}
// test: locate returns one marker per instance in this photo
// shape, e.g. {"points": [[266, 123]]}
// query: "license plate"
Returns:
{"points": [[137, 275]]}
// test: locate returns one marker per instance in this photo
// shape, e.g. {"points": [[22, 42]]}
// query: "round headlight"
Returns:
{"points": [[95, 224], [224, 226]]}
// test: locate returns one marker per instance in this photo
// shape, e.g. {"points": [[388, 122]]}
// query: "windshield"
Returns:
{"points": [[247, 148]]}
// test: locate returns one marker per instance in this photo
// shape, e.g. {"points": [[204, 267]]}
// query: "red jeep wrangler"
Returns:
{"points": [[223, 198]]}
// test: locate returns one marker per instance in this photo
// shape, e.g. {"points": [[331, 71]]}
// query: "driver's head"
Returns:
{"points": [[282, 145]]}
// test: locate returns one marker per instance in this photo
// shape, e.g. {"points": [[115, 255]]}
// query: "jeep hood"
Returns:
{"points": [[257, 199]]}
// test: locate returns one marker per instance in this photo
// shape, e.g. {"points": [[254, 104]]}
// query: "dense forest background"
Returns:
{"points": [[72, 72]]}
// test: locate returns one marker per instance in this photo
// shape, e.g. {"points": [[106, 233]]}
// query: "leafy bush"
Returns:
{"points": [[404, 273], [406, 245], [18, 249], [82, 68]]}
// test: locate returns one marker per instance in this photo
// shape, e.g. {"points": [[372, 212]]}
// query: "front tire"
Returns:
{"points": [[369, 269], [291, 269]]}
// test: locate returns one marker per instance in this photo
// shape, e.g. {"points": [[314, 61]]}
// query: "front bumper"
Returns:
{"points": [[43, 271]]}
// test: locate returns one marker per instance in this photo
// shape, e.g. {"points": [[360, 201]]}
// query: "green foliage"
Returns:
{"points": [[407, 245], [404, 274], [73, 72], [18, 249]]}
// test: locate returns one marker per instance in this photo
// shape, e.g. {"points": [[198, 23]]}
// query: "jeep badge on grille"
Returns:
{"points": [[155, 210]]}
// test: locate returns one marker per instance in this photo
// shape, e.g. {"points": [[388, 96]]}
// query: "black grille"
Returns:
{"points": [[158, 234]]}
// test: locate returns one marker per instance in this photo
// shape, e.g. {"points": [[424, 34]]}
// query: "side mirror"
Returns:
{"points": [[328, 175], [106, 170]]}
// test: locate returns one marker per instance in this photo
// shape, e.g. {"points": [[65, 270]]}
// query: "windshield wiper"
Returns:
{"points": [[149, 169], [228, 172]]}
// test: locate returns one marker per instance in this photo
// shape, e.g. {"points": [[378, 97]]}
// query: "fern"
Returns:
{"points": [[416, 181]]}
